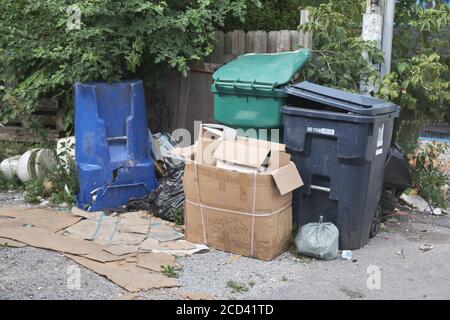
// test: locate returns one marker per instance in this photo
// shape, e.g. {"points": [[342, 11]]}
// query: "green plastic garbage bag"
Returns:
{"points": [[318, 240]]}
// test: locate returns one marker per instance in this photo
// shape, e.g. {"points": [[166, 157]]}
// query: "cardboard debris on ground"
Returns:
{"points": [[156, 261], [134, 224], [41, 218], [11, 243], [128, 296], [121, 249], [123, 260], [127, 275], [178, 248], [104, 231], [42, 238], [163, 231], [11, 212], [198, 296], [85, 214]]}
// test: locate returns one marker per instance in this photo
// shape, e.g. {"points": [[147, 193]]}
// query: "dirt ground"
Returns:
{"points": [[402, 270]]}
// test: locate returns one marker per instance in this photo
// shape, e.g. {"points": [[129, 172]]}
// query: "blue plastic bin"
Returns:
{"points": [[339, 142], [113, 154]]}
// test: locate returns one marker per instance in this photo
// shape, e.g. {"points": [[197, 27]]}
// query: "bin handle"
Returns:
{"points": [[319, 188]]}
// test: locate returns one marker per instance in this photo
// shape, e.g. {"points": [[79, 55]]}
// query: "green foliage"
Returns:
{"points": [[419, 80], [9, 185], [59, 186], [117, 40], [271, 15], [11, 148], [170, 271], [420, 76], [236, 287], [337, 59], [428, 177]]}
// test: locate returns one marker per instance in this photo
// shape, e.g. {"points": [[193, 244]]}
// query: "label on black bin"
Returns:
{"points": [[326, 131], [380, 140]]}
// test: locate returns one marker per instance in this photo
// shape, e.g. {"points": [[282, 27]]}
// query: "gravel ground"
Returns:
{"points": [[406, 271], [30, 273]]}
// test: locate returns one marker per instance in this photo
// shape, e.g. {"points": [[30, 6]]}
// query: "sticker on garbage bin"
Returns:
{"points": [[380, 141], [326, 131]]}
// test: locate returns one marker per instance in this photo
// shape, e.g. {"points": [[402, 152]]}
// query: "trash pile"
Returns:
{"points": [[132, 249], [236, 193]]}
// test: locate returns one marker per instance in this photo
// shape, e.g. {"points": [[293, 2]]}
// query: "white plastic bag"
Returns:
{"points": [[318, 240]]}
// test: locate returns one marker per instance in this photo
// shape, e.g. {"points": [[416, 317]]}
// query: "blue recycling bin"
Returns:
{"points": [[112, 154], [339, 142]]}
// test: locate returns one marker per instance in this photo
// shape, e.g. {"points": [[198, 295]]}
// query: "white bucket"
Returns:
{"points": [[9, 167]]}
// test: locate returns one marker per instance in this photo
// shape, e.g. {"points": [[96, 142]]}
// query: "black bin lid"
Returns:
{"points": [[350, 102]]}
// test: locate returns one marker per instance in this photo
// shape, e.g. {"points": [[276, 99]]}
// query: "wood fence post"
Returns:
{"points": [[306, 37]]}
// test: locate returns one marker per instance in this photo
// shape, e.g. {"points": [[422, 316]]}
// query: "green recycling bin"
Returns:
{"points": [[248, 92]]}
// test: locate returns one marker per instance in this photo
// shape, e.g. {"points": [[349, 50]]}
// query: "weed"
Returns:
{"points": [[9, 184], [12, 148], [170, 271], [236, 287], [177, 216], [294, 252], [251, 283], [284, 278], [428, 176]]}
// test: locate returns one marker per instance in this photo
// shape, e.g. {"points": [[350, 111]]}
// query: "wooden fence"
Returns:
{"points": [[232, 44], [188, 99], [49, 114]]}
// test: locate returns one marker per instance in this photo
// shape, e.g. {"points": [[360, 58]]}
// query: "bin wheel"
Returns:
{"points": [[376, 222]]}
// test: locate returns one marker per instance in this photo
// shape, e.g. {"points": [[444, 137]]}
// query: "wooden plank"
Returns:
{"points": [[307, 36], [260, 42], [249, 41], [50, 105], [181, 112], [23, 135], [295, 39], [205, 67], [238, 43], [272, 41], [228, 46], [218, 54], [284, 41]]}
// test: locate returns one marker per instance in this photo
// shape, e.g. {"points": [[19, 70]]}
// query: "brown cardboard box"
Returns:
{"points": [[240, 212]]}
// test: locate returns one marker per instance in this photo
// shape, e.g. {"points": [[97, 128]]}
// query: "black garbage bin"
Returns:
{"points": [[339, 142]]}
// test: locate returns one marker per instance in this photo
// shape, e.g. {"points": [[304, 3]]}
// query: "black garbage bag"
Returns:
{"points": [[166, 202], [397, 173], [397, 178]]}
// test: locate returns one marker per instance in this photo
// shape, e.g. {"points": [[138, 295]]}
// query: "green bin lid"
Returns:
{"points": [[260, 70]]}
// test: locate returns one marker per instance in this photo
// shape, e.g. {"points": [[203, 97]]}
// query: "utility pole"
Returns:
{"points": [[388, 34], [378, 25], [372, 30]]}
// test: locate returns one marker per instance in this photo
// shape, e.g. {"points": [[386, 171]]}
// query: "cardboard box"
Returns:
{"points": [[239, 211]]}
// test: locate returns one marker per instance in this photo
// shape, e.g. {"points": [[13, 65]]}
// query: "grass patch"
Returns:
{"points": [[10, 185], [236, 287], [170, 271]]}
